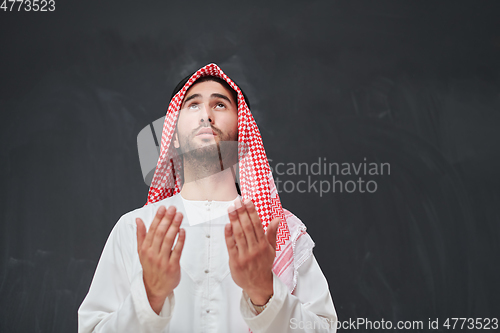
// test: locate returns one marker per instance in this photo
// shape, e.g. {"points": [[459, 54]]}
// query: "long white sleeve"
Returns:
{"points": [[309, 309], [117, 300]]}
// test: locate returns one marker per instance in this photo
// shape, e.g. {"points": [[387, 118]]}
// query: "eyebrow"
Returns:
{"points": [[214, 95], [191, 97]]}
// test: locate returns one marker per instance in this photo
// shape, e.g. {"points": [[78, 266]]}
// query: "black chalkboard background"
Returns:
{"points": [[415, 84]]}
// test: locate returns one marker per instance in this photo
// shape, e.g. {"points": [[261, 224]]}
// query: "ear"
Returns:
{"points": [[175, 139]]}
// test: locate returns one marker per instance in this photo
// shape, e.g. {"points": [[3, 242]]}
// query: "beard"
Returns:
{"points": [[210, 157]]}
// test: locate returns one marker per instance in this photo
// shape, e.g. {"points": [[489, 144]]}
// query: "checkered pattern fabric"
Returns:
{"points": [[256, 180]]}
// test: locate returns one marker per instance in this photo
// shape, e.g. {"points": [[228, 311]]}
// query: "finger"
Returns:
{"points": [[232, 249], [141, 233], [254, 217], [168, 240], [239, 236], [162, 229], [246, 224], [156, 220], [179, 245], [272, 230]]}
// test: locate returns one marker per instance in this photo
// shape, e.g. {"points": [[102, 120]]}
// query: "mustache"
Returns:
{"points": [[215, 129]]}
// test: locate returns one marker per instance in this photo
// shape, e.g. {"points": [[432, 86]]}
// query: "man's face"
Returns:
{"points": [[214, 104]]}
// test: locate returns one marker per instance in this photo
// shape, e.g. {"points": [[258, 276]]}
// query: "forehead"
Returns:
{"points": [[207, 88]]}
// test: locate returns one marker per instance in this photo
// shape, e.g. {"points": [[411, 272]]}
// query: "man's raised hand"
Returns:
{"points": [[251, 251], [160, 263]]}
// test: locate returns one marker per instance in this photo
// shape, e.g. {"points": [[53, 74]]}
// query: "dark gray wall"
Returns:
{"points": [[415, 84]]}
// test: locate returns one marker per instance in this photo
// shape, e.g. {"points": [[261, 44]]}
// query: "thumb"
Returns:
{"points": [[271, 231]]}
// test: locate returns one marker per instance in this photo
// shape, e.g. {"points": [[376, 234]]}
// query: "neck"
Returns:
{"points": [[208, 184]]}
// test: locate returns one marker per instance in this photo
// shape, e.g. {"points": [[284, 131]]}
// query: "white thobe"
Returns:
{"points": [[206, 299]]}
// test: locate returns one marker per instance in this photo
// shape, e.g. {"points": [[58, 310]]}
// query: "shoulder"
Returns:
{"points": [[295, 226], [302, 242]]}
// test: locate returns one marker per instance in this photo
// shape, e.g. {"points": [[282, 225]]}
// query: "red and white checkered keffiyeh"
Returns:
{"points": [[256, 180]]}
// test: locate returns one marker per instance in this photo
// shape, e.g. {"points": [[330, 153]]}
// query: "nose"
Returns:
{"points": [[206, 114]]}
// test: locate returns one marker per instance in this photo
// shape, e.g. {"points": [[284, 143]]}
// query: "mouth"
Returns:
{"points": [[206, 131]]}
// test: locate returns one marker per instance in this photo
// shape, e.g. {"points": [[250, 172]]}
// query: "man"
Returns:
{"points": [[199, 257]]}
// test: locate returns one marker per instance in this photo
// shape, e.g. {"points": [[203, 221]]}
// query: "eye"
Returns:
{"points": [[220, 105], [193, 106]]}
